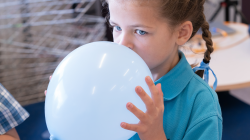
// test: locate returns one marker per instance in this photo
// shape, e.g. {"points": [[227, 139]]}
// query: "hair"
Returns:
{"points": [[178, 11]]}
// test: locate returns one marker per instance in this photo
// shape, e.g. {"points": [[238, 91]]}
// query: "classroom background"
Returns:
{"points": [[35, 35]]}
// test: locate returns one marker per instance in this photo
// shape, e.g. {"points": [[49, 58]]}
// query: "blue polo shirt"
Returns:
{"points": [[192, 110]]}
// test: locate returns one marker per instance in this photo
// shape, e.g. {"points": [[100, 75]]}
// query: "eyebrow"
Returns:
{"points": [[136, 25]]}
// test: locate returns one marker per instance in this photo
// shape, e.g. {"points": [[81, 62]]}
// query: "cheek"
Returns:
{"points": [[146, 52], [154, 52]]}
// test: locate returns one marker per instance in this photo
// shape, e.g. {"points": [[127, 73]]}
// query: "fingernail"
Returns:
{"points": [[123, 124], [130, 105], [139, 89], [148, 79]]}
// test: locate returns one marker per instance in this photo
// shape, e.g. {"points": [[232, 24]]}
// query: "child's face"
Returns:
{"points": [[141, 29]]}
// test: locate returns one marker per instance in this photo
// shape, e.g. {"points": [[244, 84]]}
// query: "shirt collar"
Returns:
{"points": [[176, 79]]}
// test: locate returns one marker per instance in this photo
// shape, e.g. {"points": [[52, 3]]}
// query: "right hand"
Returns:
{"points": [[45, 92]]}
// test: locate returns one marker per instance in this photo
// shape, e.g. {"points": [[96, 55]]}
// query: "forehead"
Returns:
{"points": [[137, 2], [129, 11]]}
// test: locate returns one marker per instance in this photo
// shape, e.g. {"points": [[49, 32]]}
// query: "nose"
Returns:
{"points": [[126, 40]]}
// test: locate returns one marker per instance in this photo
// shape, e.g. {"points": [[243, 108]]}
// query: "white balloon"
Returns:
{"points": [[88, 92]]}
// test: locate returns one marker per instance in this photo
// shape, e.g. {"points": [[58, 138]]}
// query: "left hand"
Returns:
{"points": [[150, 126], [10, 135]]}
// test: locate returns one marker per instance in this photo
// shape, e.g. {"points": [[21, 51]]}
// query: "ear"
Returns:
{"points": [[185, 31]]}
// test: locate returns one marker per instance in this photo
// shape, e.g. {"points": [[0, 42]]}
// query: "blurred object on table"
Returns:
{"points": [[227, 36], [230, 59], [220, 29]]}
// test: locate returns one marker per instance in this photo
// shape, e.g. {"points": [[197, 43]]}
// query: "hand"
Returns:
{"points": [[45, 92], [150, 126], [10, 135]]}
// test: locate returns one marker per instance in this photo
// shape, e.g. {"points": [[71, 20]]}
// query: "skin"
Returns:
{"points": [[10, 135], [139, 27]]}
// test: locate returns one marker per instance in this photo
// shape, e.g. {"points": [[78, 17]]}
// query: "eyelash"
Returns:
{"points": [[112, 27], [142, 31]]}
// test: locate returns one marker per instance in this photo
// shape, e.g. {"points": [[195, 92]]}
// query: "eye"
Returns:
{"points": [[117, 28], [140, 32]]}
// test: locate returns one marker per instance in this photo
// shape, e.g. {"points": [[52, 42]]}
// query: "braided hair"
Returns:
{"points": [[178, 11]]}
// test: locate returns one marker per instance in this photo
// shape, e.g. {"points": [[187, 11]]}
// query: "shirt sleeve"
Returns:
{"points": [[208, 129], [11, 112]]}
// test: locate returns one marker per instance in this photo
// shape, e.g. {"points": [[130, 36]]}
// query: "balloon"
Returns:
{"points": [[88, 92]]}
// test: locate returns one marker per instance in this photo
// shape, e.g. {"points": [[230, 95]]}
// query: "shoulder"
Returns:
{"points": [[206, 129], [204, 99], [11, 112], [203, 95]]}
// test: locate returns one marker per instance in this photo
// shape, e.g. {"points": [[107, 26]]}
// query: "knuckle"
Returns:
{"points": [[162, 110], [144, 129], [128, 127], [143, 117], [151, 83], [155, 116], [143, 94], [158, 114], [150, 122], [136, 129], [151, 103], [157, 92]]}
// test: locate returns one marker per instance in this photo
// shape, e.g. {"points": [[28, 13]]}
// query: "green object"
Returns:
{"points": [[18, 25]]}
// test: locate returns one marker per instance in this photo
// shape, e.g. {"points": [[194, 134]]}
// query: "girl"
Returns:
{"points": [[183, 106]]}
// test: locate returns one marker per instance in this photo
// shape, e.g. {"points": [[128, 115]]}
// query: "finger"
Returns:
{"points": [[146, 99], [137, 112], [154, 91], [132, 127], [45, 92], [161, 102], [50, 77]]}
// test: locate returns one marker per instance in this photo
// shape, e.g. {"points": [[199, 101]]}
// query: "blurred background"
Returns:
{"points": [[35, 35]]}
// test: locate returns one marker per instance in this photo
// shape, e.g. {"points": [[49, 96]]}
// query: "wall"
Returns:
{"points": [[210, 8]]}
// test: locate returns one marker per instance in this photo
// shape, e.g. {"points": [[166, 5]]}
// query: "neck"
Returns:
{"points": [[165, 67]]}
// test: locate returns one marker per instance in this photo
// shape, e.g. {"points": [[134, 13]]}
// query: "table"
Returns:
{"points": [[230, 61]]}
